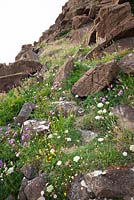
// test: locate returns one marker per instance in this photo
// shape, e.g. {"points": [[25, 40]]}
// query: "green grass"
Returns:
{"points": [[63, 140]]}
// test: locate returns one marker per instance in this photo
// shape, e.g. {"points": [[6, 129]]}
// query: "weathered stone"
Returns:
{"points": [[125, 115], [127, 64], [63, 73], [31, 189], [115, 183], [25, 112], [77, 191], [67, 107], [118, 22], [109, 184], [79, 21], [11, 75], [96, 79], [27, 53], [28, 171]]}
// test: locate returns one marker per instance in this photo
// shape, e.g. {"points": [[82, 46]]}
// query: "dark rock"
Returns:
{"points": [[110, 184], [63, 73], [96, 79], [11, 75], [28, 171], [25, 112], [31, 189], [125, 115], [127, 64], [77, 191], [115, 183]]}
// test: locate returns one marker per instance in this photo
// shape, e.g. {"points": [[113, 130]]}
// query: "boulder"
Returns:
{"points": [[25, 112], [31, 189], [63, 73], [115, 183], [28, 171], [127, 64], [125, 115], [11, 75], [27, 53], [96, 79], [109, 184]]}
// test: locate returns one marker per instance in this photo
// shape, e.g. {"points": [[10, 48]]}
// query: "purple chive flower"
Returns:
{"points": [[7, 133], [24, 137], [11, 141], [103, 99], [1, 163], [15, 134], [120, 92]]}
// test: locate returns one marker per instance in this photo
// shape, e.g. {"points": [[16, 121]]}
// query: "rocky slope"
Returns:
{"points": [[67, 130]]}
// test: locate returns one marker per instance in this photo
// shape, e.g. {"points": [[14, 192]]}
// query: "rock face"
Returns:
{"points": [[24, 113], [63, 73], [113, 23], [75, 14], [96, 79], [12, 74], [125, 115], [114, 183]]}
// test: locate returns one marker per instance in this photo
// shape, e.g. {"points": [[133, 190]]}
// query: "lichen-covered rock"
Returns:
{"points": [[109, 184], [125, 115], [96, 79], [31, 189]]}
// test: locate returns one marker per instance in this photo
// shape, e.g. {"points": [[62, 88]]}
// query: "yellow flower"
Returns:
{"points": [[65, 194]]}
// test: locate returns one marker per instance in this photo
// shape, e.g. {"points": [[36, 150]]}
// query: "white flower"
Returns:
{"points": [[66, 131], [76, 158], [111, 114], [131, 147], [42, 193], [100, 105], [124, 153], [76, 96], [50, 188], [104, 111], [100, 139], [107, 102], [10, 170], [50, 136], [98, 117], [100, 112], [52, 151], [55, 196], [59, 163], [68, 139]]}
